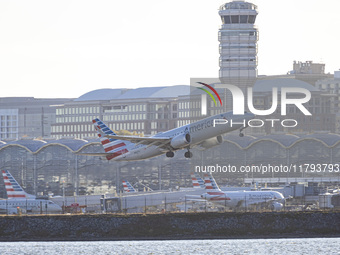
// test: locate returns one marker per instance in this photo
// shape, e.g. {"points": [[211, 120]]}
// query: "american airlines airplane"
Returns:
{"points": [[241, 199], [203, 133], [19, 199], [128, 187], [197, 181]]}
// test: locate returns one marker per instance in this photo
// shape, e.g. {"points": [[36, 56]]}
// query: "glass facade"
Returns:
{"points": [[45, 167]]}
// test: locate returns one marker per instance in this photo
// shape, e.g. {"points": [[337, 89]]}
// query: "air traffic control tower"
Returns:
{"points": [[238, 38]]}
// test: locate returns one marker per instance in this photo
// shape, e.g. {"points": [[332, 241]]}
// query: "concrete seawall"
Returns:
{"points": [[170, 226]]}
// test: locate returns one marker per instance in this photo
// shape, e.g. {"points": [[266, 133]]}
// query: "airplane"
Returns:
{"points": [[241, 199], [19, 199], [202, 133], [128, 187], [197, 181]]}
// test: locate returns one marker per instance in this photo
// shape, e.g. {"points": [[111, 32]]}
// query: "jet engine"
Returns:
{"points": [[276, 206], [211, 142], [180, 141]]}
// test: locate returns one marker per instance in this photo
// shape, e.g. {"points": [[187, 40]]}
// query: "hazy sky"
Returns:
{"points": [[67, 48]]}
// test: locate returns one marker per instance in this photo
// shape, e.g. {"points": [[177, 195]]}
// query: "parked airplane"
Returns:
{"points": [[128, 187], [19, 199], [197, 181], [202, 133], [241, 199]]}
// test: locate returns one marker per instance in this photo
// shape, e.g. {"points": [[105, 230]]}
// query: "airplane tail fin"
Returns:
{"points": [[213, 182], [197, 181], [113, 147], [210, 183], [13, 189], [128, 187]]}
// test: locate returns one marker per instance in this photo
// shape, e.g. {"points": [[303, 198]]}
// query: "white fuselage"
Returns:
{"points": [[199, 131], [11, 206], [243, 199]]}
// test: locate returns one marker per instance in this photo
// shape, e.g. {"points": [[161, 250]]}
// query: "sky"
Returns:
{"points": [[65, 48]]}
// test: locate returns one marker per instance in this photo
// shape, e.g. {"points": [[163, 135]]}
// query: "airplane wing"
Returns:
{"points": [[158, 141]]}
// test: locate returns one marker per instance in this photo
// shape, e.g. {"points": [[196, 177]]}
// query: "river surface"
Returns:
{"points": [[308, 246]]}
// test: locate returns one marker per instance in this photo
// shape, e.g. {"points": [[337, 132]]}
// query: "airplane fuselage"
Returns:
{"points": [[199, 131], [11, 206], [243, 199]]}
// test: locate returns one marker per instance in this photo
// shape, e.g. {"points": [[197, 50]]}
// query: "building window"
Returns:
{"points": [[226, 19], [243, 19], [251, 19], [235, 19]]}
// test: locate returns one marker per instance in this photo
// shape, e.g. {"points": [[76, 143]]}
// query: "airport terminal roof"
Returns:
{"points": [[146, 92], [285, 140], [101, 94], [267, 84], [72, 144], [156, 92], [31, 144]]}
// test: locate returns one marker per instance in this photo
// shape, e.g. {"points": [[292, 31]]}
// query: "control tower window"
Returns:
{"points": [[251, 19], [226, 19], [243, 19], [235, 19]]}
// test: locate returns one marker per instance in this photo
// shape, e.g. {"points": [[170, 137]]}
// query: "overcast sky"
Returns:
{"points": [[67, 48]]}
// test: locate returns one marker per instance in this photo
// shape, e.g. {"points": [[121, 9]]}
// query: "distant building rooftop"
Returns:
{"points": [[146, 92], [101, 94], [267, 84]]}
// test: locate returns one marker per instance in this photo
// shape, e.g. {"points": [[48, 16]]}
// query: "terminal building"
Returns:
{"points": [[142, 110], [27, 116], [53, 167]]}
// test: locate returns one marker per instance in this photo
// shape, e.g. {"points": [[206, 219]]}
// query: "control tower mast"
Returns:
{"points": [[238, 38]]}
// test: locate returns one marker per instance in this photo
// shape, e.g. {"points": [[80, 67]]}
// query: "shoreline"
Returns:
{"points": [[264, 237], [178, 226]]}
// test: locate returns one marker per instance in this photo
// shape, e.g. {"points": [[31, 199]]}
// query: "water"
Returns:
{"points": [[237, 246]]}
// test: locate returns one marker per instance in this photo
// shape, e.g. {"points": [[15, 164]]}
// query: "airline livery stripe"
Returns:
{"points": [[118, 153], [113, 143], [215, 193], [16, 196], [106, 141], [114, 147], [117, 149], [220, 198]]}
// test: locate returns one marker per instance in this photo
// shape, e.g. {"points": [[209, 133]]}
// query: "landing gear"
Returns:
{"points": [[170, 154], [188, 154]]}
